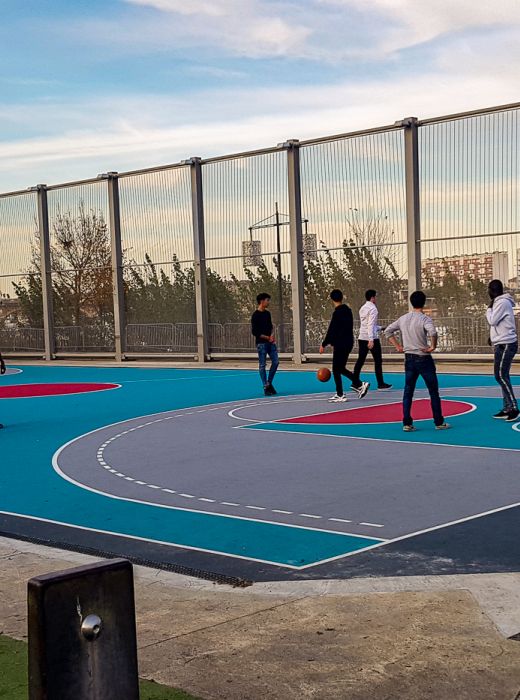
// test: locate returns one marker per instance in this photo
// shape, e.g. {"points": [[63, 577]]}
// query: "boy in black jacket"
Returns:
{"points": [[341, 336]]}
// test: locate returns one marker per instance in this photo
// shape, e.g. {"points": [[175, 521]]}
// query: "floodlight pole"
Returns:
{"points": [[118, 290]]}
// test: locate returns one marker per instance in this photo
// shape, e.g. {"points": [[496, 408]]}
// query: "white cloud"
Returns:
{"points": [[410, 22], [152, 129], [244, 27]]}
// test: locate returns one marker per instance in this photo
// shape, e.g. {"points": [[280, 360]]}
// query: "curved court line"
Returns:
{"points": [[112, 387], [259, 421], [12, 370], [66, 477]]}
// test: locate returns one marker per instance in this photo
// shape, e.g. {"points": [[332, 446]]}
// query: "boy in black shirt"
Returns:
{"points": [[341, 336], [262, 329]]}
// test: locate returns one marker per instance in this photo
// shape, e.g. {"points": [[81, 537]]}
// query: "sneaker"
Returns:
{"points": [[409, 428], [443, 426], [384, 387], [363, 389], [512, 416], [501, 414], [1, 426], [338, 399], [272, 390]]}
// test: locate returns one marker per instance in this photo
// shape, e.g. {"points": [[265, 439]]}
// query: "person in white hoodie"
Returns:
{"points": [[368, 340], [504, 339]]}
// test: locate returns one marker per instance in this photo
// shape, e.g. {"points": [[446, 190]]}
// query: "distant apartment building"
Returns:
{"points": [[478, 266]]}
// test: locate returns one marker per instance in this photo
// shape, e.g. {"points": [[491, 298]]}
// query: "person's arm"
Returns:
{"points": [[372, 326], [431, 331], [328, 336], [496, 313], [390, 332], [3, 368]]}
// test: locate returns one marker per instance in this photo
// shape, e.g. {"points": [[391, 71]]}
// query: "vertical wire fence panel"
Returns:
{"points": [[81, 268], [21, 307], [158, 254], [470, 220], [354, 218], [246, 218]]}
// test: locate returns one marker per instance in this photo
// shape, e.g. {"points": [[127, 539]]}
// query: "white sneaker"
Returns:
{"points": [[362, 390], [338, 399]]}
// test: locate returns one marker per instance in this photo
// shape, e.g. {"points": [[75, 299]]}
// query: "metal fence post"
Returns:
{"points": [[118, 291], [45, 271], [413, 217], [296, 240], [201, 290]]}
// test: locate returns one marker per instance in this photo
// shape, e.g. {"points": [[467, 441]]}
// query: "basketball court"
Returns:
{"points": [[194, 470]]}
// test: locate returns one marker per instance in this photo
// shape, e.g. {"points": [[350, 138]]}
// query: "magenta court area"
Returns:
{"points": [[195, 471]]}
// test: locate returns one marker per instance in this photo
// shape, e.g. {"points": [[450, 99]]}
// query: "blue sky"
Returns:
{"points": [[119, 84]]}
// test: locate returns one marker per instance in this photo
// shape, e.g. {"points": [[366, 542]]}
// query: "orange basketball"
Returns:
{"points": [[323, 374]]}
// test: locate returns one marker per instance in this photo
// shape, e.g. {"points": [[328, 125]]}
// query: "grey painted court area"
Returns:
{"points": [[198, 459]]}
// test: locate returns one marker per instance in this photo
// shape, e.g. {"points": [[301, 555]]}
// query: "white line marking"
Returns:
{"points": [[186, 495], [255, 507], [372, 524], [284, 512], [207, 500], [340, 520], [307, 515], [227, 503]]}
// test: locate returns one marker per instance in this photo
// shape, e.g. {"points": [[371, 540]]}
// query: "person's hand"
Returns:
{"points": [[370, 344], [399, 348], [3, 368], [271, 338], [429, 349], [322, 349]]}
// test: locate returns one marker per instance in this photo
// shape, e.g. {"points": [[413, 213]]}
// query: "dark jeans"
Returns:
{"points": [[416, 366], [504, 355], [339, 360], [378, 359], [265, 349]]}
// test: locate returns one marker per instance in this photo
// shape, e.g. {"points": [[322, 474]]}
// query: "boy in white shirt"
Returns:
{"points": [[369, 339]]}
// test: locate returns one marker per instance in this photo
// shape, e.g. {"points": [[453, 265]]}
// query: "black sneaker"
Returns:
{"points": [[384, 387], [1, 426], [269, 390], [512, 416], [501, 415]]}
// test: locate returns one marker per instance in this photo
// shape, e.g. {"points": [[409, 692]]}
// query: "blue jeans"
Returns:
{"points": [[503, 358], [265, 349], [416, 366]]}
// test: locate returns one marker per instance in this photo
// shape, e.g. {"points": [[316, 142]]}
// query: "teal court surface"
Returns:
{"points": [[196, 471]]}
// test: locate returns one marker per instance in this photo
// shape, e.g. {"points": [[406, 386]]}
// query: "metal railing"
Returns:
{"points": [[345, 210]]}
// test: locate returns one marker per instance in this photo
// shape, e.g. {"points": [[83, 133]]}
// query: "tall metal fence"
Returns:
{"points": [[168, 261]]}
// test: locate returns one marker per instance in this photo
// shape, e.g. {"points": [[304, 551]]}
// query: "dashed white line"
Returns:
{"points": [[279, 511], [339, 520]]}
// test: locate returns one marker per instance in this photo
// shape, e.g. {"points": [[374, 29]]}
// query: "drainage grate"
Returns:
{"points": [[223, 579]]}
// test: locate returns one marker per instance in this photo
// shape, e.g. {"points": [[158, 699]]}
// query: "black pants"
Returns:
{"points": [[378, 359], [339, 361], [416, 366], [504, 355]]}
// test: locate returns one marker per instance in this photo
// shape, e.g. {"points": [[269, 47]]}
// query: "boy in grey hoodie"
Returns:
{"points": [[504, 339]]}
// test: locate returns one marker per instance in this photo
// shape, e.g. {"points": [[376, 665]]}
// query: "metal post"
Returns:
{"points": [[118, 291], [297, 252], [280, 281], [201, 292], [413, 218], [45, 271]]}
